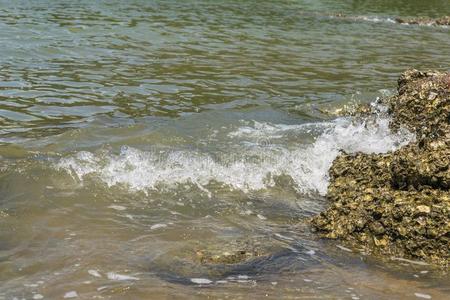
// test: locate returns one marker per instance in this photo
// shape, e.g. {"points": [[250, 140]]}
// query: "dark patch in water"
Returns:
{"points": [[295, 259]]}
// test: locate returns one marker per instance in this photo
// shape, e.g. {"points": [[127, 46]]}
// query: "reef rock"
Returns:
{"points": [[398, 203]]}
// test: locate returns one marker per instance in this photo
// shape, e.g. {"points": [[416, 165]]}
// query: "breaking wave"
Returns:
{"points": [[241, 166]]}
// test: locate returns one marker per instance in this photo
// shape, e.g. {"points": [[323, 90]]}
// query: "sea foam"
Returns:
{"points": [[245, 168]]}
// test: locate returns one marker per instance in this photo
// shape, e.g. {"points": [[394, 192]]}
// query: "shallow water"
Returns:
{"points": [[136, 134]]}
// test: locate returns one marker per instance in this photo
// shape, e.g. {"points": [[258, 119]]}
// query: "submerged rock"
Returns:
{"points": [[234, 252], [220, 259], [398, 203]]}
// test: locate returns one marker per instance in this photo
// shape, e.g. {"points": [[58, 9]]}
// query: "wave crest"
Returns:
{"points": [[245, 168]]}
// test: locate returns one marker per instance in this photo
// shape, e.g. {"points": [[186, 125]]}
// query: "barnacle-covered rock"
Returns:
{"points": [[422, 104], [398, 203], [415, 167], [443, 21]]}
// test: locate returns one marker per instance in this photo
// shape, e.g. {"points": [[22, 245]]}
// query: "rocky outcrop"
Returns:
{"points": [[398, 203], [443, 21]]}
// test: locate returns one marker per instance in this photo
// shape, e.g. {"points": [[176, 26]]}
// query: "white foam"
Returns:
{"points": [[414, 262], [71, 294], [374, 19], [423, 296], [157, 226], [284, 237], [267, 130], [245, 169], [201, 281], [117, 207], [120, 277], [377, 19], [94, 273], [261, 217]]}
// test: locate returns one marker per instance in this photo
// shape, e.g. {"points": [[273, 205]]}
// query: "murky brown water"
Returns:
{"points": [[137, 136]]}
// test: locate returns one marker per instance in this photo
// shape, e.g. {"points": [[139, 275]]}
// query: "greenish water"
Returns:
{"points": [[135, 133]]}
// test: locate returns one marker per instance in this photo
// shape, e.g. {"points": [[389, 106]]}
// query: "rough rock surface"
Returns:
{"points": [[398, 203]]}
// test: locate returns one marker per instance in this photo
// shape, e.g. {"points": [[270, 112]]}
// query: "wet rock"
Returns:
{"points": [[398, 203], [421, 166], [443, 21], [413, 107]]}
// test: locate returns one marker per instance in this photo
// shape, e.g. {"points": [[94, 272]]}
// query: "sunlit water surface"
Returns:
{"points": [[136, 134]]}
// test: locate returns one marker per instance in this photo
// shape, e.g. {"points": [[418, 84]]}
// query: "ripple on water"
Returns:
{"points": [[221, 104]]}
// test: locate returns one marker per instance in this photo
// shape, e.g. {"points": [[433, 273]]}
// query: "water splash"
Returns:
{"points": [[245, 169]]}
